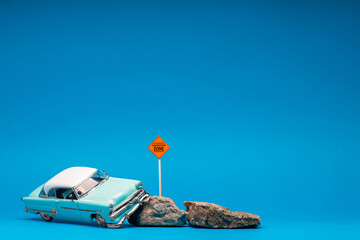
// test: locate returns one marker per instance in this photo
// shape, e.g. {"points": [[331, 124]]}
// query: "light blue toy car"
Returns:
{"points": [[83, 194]]}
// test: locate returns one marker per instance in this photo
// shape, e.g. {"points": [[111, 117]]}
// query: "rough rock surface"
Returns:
{"points": [[209, 215], [158, 211]]}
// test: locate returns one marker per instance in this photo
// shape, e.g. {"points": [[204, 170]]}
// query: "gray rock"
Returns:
{"points": [[158, 211], [209, 215]]}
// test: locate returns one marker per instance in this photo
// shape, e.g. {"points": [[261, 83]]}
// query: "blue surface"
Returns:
{"points": [[258, 100]]}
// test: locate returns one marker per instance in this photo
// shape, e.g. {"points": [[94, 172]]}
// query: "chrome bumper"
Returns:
{"points": [[138, 198]]}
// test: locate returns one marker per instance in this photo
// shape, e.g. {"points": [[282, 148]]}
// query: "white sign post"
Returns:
{"points": [[160, 177]]}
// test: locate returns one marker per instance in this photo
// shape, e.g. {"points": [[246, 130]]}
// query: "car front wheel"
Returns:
{"points": [[46, 217], [100, 220]]}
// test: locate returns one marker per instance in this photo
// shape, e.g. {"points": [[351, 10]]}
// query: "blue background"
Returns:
{"points": [[258, 100]]}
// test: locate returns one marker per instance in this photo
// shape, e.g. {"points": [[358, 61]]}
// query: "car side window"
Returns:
{"points": [[51, 193], [71, 195], [65, 193]]}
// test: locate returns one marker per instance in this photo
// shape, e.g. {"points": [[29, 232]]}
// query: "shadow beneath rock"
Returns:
{"points": [[244, 228], [148, 226]]}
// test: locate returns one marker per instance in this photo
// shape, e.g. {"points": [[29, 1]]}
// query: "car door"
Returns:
{"points": [[68, 208], [47, 204]]}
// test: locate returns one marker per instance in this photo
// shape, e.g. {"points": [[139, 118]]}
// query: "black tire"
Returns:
{"points": [[100, 220], [46, 217]]}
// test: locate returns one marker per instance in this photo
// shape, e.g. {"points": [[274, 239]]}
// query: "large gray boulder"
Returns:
{"points": [[209, 215], [158, 211]]}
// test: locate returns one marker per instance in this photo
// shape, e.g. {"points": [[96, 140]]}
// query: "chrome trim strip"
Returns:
{"points": [[83, 209], [38, 210]]}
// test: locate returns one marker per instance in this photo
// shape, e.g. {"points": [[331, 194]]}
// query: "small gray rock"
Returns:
{"points": [[209, 215], [158, 211]]}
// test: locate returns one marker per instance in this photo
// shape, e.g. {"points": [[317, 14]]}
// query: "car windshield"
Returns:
{"points": [[90, 183]]}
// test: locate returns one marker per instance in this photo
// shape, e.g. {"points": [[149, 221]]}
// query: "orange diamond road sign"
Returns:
{"points": [[158, 147]]}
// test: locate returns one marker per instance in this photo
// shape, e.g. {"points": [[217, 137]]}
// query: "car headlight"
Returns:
{"points": [[139, 185], [111, 207]]}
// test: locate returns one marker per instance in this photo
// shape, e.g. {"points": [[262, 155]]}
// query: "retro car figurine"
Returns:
{"points": [[83, 194]]}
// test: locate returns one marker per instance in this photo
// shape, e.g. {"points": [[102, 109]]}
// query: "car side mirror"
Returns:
{"points": [[71, 196]]}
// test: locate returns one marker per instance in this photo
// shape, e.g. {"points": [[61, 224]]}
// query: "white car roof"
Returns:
{"points": [[69, 178]]}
